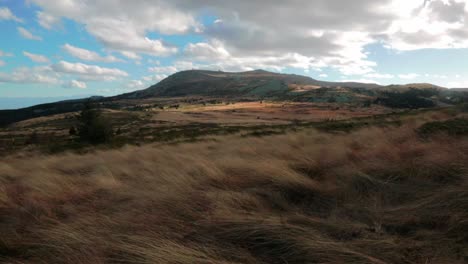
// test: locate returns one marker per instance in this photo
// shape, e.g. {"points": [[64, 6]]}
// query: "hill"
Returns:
{"points": [[243, 84], [250, 86]]}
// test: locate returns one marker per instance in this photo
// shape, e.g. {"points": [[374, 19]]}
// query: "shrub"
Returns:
{"points": [[72, 131], [455, 127], [93, 127], [33, 139], [412, 99]]}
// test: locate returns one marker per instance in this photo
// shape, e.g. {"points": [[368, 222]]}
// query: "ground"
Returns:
{"points": [[365, 185], [148, 118]]}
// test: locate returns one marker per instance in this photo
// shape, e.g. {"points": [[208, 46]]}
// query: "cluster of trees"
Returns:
{"points": [[412, 99]]}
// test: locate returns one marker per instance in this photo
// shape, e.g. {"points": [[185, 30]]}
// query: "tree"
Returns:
{"points": [[412, 99], [93, 128]]}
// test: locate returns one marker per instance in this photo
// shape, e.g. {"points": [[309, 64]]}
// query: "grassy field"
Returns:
{"points": [[156, 121], [356, 191]]}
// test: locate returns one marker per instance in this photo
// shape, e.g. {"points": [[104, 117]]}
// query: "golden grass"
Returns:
{"points": [[373, 196]]}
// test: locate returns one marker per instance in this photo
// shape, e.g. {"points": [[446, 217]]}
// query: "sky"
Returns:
{"points": [[53, 48]]}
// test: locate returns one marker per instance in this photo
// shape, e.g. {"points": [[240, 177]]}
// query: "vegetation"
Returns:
{"points": [[93, 128], [412, 99], [456, 127], [371, 195]]}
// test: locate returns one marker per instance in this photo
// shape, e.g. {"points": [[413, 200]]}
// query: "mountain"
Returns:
{"points": [[257, 83], [251, 85], [22, 102]]}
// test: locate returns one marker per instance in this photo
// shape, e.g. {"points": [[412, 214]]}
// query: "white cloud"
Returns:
{"points": [[88, 70], [164, 69], [26, 75], [2, 63], [438, 24], [136, 84], [88, 55], [379, 76], [75, 84], [36, 57], [6, 14], [409, 76], [155, 78], [145, 81], [119, 35], [5, 54], [123, 25], [323, 75], [301, 34], [458, 84], [28, 35], [360, 81], [47, 21], [207, 51], [131, 55]]}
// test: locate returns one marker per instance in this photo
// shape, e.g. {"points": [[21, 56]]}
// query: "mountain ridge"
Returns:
{"points": [[231, 86], [239, 80]]}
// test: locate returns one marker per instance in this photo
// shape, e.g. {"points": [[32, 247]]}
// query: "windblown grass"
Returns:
{"points": [[375, 195]]}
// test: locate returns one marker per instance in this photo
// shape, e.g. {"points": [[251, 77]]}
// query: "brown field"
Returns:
{"points": [[263, 113], [374, 195], [54, 129]]}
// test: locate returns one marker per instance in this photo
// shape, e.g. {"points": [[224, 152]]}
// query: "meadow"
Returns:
{"points": [[394, 193]]}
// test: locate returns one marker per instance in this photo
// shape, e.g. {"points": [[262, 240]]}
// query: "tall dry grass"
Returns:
{"points": [[378, 195]]}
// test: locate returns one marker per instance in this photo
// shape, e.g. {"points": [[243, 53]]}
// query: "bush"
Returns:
{"points": [[33, 139], [93, 127], [72, 131], [455, 127], [412, 99]]}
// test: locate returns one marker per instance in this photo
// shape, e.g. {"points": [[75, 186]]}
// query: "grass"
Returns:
{"points": [[455, 127], [136, 132], [371, 195]]}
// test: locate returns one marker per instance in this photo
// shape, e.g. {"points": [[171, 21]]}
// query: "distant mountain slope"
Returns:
{"points": [[252, 83], [22, 102]]}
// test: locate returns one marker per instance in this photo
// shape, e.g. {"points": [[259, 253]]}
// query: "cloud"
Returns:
{"points": [[164, 69], [360, 81], [206, 51], [36, 75], [155, 78], [409, 76], [379, 76], [28, 35], [145, 81], [91, 71], [136, 84], [119, 35], [36, 57], [440, 24], [323, 75], [6, 14], [458, 84], [88, 55], [75, 84], [302, 34], [131, 55], [2, 63], [123, 25], [47, 21], [5, 54]]}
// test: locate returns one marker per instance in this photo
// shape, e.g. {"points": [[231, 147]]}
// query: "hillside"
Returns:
{"points": [[206, 86], [377, 194], [253, 83]]}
